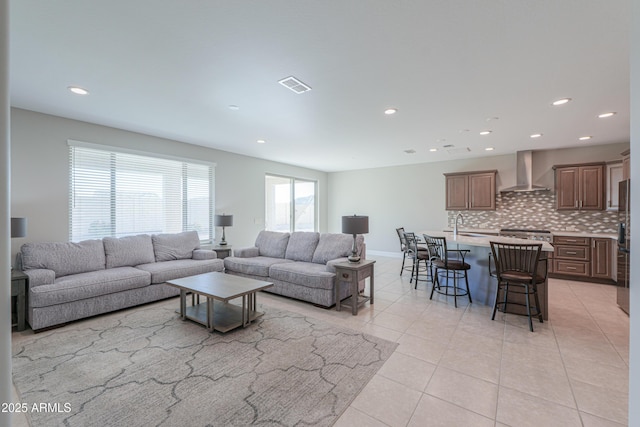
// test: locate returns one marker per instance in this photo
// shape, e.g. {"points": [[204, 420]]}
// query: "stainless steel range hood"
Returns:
{"points": [[524, 174]]}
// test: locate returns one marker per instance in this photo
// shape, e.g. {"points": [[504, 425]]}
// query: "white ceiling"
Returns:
{"points": [[171, 68]]}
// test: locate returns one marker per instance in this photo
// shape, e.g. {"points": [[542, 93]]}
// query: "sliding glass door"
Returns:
{"points": [[290, 204]]}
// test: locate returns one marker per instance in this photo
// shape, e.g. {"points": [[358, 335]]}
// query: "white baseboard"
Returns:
{"points": [[385, 254]]}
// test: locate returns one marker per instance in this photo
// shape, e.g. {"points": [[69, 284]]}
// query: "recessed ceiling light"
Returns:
{"points": [[585, 138], [390, 111], [561, 101], [261, 141], [489, 149], [485, 132], [492, 118], [234, 107], [605, 115], [448, 146], [410, 151], [78, 90], [433, 149], [536, 135]]}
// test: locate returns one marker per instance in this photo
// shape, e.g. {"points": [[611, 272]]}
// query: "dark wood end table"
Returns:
{"points": [[222, 251], [19, 282], [353, 273]]}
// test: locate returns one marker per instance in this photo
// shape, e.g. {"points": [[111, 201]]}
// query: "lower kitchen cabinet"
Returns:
{"points": [[601, 264], [583, 258]]}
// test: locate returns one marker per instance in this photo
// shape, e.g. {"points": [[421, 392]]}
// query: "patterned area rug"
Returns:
{"points": [[146, 367]]}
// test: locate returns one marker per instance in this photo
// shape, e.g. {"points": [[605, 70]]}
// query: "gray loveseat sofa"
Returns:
{"points": [[299, 264], [70, 281]]}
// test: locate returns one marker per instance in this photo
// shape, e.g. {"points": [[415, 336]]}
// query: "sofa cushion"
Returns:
{"points": [[88, 285], [302, 245], [64, 258], [333, 245], [172, 246], [128, 251], [272, 243], [256, 266], [169, 270], [303, 273]]}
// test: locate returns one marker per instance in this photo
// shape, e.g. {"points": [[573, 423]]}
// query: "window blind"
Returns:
{"points": [[116, 194]]}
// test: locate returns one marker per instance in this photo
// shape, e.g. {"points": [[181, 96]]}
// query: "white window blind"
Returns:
{"points": [[116, 194]]}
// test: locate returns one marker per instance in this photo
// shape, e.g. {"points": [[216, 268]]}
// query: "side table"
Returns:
{"points": [[222, 251], [19, 290], [353, 273]]}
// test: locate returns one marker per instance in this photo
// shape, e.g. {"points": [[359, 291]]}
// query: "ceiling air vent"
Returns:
{"points": [[294, 84]]}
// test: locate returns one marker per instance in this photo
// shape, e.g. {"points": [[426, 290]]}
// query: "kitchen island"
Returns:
{"points": [[481, 284]]}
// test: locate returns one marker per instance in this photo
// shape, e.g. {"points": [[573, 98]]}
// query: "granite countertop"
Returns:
{"points": [[475, 238], [613, 236]]}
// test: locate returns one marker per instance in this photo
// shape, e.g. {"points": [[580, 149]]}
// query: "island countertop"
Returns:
{"points": [[481, 240]]}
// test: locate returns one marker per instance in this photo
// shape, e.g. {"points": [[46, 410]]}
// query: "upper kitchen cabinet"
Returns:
{"points": [[471, 190], [580, 187], [626, 164], [614, 176]]}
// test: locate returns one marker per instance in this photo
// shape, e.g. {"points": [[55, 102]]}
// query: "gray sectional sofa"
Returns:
{"points": [[299, 264], [70, 281]]}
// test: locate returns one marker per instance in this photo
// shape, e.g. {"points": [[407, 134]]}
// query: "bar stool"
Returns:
{"points": [[418, 253], [448, 268], [517, 265]]}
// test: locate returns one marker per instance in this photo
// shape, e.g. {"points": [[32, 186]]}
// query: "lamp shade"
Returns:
{"points": [[355, 224], [223, 220], [18, 227]]}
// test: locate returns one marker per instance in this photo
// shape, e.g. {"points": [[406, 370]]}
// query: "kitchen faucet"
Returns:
{"points": [[455, 225]]}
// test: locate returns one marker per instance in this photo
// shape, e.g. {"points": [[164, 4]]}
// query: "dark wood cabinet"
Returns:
{"points": [[626, 164], [572, 256], [582, 258], [580, 187], [457, 192], [471, 190], [601, 263]]}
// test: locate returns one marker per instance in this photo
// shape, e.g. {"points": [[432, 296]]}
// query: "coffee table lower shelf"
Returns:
{"points": [[226, 316]]}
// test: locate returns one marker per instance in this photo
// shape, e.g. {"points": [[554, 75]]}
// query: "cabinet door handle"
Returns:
{"points": [[571, 268], [571, 240], [571, 253], [575, 204]]}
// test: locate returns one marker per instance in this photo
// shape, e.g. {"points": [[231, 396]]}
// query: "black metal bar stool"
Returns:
{"points": [[418, 253], [448, 268], [517, 266]]}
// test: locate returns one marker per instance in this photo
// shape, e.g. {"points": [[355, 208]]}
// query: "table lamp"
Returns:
{"points": [[355, 225], [223, 221]]}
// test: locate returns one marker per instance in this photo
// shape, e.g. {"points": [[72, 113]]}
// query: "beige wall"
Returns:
{"points": [[414, 196], [40, 175]]}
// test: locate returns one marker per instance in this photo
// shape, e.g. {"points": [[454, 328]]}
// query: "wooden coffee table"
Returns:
{"points": [[220, 288]]}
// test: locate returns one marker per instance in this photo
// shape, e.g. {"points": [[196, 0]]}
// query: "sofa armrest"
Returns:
{"points": [[331, 264], [246, 252], [202, 254], [40, 276]]}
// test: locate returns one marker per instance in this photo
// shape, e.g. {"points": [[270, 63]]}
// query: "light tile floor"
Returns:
{"points": [[456, 367]]}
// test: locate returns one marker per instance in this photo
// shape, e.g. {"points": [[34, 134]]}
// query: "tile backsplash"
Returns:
{"points": [[536, 210]]}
